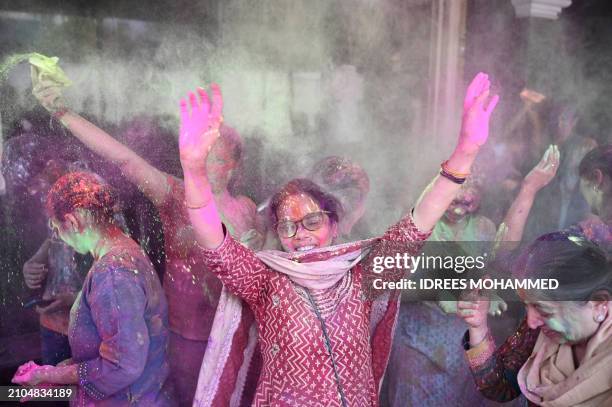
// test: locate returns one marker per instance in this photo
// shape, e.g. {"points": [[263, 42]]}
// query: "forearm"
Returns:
{"points": [[59, 374], [97, 140], [439, 194], [150, 180], [517, 215], [477, 335], [203, 212]]}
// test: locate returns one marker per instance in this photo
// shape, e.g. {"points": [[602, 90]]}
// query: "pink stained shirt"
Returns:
{"points": [[191, 289], [297, 369]]}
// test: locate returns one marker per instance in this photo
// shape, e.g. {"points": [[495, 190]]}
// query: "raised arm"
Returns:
{"points": [[438, 195], [149, 179], [199, 130], [516, 218]]}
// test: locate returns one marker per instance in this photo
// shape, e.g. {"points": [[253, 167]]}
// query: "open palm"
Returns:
{"points": [[476, 113], [199, 128]]}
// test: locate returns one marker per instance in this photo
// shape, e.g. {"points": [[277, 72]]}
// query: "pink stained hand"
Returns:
{"points": [[477, 110], [200, 122], [26, 374]]}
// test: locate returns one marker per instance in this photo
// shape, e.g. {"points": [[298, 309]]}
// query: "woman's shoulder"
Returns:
{"points": [[122, 262]]}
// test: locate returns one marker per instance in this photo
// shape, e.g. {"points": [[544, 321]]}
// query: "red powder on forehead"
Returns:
{"points": [[81, 190]]}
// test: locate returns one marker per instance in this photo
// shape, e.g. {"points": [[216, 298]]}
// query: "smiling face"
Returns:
{"points": [[563, 321], [300, 208]]}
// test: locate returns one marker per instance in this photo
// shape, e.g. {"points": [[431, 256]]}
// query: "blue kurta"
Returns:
{"points": [[119, 333]]}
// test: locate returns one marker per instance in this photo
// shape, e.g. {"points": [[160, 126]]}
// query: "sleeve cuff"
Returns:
{"points": [[479, 354], [86, 385], [407, 223]]}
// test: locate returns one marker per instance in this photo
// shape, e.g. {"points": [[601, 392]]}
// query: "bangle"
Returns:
{"points": [[454, 173], [199, 206], [451, 177]]}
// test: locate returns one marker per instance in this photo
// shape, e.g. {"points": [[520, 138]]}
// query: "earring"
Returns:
{"points": [[600, 318]]}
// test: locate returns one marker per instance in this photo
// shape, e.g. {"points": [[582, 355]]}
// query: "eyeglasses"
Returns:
{"points": [[313, 221]]}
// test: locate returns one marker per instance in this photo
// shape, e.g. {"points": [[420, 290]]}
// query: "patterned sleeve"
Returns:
{"points": [[117, 303], [402, 238], [405, 231], [495, 371], [238, 268]]}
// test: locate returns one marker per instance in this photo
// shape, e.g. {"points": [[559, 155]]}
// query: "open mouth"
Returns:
{"points": [[305, 248]]}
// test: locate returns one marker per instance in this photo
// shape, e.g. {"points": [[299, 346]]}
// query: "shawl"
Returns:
{"points": [[231, 355], [550, 378]]}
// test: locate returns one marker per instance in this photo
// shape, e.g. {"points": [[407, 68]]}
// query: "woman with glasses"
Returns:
{"points": [[323, 340]]}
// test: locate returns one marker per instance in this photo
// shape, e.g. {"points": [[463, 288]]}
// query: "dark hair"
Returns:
{"points": [[600, 158], [581, 267], [83, 190], [326, 202]]}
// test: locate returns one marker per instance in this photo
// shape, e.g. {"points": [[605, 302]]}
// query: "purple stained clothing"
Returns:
{"points": [[119, 333]]}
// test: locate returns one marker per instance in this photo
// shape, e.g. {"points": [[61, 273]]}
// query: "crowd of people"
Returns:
{"points": [[270, 305]]}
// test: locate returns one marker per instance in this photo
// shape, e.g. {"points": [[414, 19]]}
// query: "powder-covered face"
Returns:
{"points": [[70, 231], [591, 195], [562, 321], [465, 203], [296, 208], [219, 166]]}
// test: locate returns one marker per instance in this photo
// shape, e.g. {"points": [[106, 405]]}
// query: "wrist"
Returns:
{"points": [[43, 374], [478, 334], [194, 169], [528, 189], [461, 160]]}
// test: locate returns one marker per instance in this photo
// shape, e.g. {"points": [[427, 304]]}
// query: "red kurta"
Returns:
{"points": [[297, 368]]}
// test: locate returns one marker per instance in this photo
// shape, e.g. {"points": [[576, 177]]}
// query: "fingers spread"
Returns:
{"points": [[217, 101], [184, 110], [193, 102], [203, 96]]}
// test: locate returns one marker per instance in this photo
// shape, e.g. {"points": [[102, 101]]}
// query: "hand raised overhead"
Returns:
{"points": [[200, 122], [477, 110]]}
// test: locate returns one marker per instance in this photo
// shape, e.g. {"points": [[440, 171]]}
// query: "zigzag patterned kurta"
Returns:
{"points": [[297, 368]]}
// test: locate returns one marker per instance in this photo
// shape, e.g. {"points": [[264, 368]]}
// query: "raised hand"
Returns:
{"points": [[544, 171], [46, 90], [200, 122], [477, 110], [531, 97]]}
